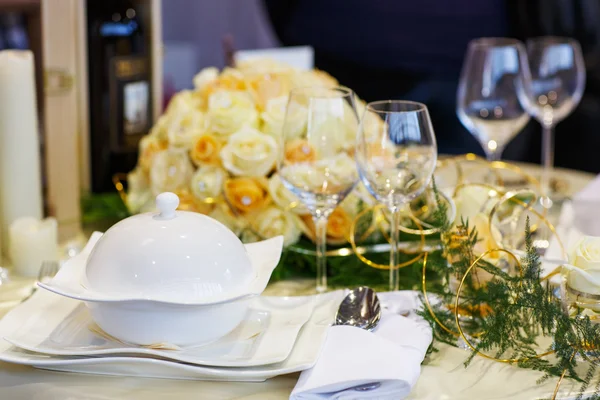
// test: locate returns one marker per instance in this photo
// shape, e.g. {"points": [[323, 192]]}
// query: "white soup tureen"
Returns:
{"points": [[172, 277]]}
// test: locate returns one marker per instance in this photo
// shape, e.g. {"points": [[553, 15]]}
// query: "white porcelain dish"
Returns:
{"points": [[170, 277], [303, 356], [266, 335]]}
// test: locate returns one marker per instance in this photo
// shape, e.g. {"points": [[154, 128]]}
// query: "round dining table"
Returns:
{"points": [[443, 374]]}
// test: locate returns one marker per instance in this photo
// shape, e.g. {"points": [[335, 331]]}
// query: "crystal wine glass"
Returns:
{"points": [[494, 78], [558, 81], [316, 162], [396, 155]]}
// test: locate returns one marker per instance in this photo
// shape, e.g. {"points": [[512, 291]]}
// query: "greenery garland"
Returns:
{"points": [[507, 317]]}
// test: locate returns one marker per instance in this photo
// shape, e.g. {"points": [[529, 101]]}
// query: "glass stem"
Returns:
{"points": [[320, 221], [547, 159], [394, 260]]}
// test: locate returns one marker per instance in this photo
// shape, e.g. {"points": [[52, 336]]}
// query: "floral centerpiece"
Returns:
{"points": [[217, 145]]}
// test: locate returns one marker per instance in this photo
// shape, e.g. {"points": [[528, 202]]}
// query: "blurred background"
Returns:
{"points": [[383, 50], [397, 50]]}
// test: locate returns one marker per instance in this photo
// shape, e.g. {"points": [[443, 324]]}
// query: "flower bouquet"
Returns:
{"points": [[217, 145]]}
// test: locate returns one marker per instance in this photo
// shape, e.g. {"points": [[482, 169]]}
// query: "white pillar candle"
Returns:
{"points": [[20, 182], [31, 242]]}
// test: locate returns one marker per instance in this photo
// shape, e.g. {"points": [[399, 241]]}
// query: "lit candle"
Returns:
{"points": [[31, 242], [20, 182]]}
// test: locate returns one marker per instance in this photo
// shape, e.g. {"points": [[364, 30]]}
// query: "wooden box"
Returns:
{"points": [[57, 32]]}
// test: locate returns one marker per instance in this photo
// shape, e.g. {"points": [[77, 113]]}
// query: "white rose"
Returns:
{"points": [[185, 128], [171, 171], [183, 101], [223, 214], [283, 197], [229, 111], [160, 130], [274, 116], [205, 77], [249, 153], [207, 182], [585, 254], [273, 221]]}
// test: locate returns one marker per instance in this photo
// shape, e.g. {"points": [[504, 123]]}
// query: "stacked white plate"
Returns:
{"points": [[278, 335]]}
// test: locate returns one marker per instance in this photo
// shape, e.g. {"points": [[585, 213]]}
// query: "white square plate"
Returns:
{"points": [[265, 336], [303, 356]]}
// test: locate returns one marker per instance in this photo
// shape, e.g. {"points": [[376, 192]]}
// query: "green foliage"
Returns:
{"points": [[508, 316]]}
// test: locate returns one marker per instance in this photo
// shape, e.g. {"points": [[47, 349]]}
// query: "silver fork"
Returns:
{"points": [[47, 272]]}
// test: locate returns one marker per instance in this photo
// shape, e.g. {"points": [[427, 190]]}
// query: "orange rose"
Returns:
{"points": [[206, 150], [188, 202], [299, 151], [338, 226], [230, 79], [246, 194], [265, 87]]}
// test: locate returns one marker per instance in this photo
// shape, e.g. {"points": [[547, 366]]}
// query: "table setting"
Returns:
{"points": [[286, 239]]}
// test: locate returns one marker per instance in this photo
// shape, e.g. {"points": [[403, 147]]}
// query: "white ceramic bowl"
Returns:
{"points": [[171, 277]]}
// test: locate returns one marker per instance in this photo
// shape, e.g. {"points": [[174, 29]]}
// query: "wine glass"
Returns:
{"points": [[396, 154], [558, 80], [493, 82], [316, 163]]}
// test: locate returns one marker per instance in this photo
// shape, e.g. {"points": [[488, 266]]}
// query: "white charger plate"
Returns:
{"points": [[303, 356], [266, 335]]}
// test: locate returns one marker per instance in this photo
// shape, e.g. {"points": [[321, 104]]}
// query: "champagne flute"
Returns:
{"points": [[493, 82], [558, 80], [396, 155], [317, 163]]}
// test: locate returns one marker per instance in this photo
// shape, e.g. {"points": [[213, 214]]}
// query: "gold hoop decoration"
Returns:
{"points": [[426, 300], [457, 317], [432, 229], [511, 196], [373, 264], [499, 165]]}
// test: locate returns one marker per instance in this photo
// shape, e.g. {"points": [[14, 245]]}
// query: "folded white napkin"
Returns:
{"points": [[388, 360], [586, 210]]}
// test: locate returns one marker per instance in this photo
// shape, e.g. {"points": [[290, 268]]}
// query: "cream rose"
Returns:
{"points": [[274, 116], [229, 111], [585, 254], [206, 77], [249, 153], [283, 197], [334, 175], [207, 182], [273, 221], [171, 171]]}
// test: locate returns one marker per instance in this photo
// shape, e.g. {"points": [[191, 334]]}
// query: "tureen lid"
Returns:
{"points": [[171, 255]]}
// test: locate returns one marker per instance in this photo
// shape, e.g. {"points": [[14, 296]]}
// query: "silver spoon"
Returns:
{"points": [[360, 308]]}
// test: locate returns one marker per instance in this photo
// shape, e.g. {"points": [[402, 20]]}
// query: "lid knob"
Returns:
{"points": [[167, 203]]}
